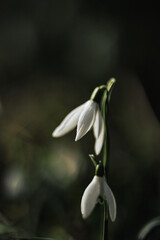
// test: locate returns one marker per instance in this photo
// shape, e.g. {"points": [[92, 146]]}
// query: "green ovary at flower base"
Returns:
{"points": [[85, 117]]}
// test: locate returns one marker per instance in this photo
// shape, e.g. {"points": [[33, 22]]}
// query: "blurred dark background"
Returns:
{"points": [[52, 55]]}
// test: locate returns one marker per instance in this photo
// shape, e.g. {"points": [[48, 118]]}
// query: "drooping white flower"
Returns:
{"points": [[98, 187], [85, 117]]}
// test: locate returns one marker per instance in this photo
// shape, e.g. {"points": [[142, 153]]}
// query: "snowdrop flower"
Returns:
{"points": [[98, 187], [85, 117]]}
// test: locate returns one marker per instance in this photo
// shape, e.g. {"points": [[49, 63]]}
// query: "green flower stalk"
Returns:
{"points": [[106, 148]]}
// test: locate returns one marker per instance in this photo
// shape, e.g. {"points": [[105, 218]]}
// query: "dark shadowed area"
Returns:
{"points": [[53, 53]]}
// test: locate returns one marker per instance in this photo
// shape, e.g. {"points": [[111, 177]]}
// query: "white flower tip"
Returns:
{"points": [[55, 133], [78, 137], [113, 210], [113, 218], [84, 216], [113, 214], [79, 134], [98, 146], [97, 151], [85, 212]]}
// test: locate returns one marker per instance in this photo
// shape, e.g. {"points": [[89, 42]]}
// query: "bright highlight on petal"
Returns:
{"points": [[99, 141], [90, 196], [97, 124], [69, 122], [86, 119]]}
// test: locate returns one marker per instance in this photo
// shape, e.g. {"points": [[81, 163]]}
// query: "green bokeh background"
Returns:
{"points": [[52, 55]]}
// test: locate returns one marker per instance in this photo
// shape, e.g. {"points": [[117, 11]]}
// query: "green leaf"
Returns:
{"points": [[148, 228]]}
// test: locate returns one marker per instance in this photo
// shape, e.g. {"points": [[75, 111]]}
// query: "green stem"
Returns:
{"points": [[106, 147], [105, 222], [107, 140], [104, 108]]}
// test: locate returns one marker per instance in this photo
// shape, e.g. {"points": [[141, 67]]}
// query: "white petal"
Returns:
{"points": [[99, 141], [86, 119], [90, 195], [111, 201], [97, 124], [69, 122]]}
